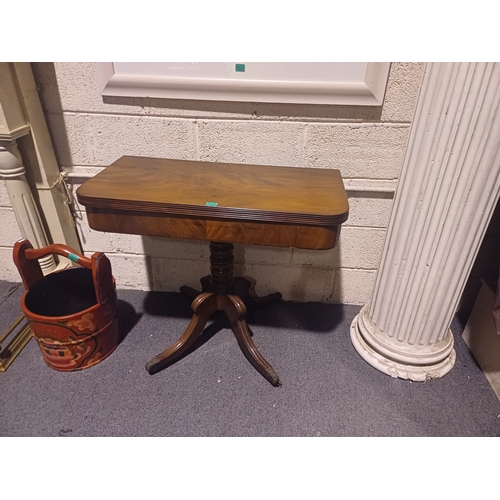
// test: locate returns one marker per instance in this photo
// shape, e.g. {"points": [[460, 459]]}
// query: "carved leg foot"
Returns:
{"points": [[203, 307], [235, 310]]}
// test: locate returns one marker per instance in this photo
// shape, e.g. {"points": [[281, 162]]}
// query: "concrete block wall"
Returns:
{"points": [[367, 144]]}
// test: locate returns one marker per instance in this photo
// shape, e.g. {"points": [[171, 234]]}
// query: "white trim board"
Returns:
{"points": [[360, 84]]}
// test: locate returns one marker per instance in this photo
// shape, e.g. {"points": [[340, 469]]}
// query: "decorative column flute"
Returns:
{"points": [[23, 204], [447, 191]]}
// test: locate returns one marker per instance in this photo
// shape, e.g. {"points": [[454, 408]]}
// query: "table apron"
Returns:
{"points": [[231, 231]]}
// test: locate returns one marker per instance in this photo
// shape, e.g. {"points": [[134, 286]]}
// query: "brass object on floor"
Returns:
{"points": [[16, 345]]}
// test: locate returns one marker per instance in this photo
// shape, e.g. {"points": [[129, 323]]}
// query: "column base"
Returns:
{"points": [[428, 363]]}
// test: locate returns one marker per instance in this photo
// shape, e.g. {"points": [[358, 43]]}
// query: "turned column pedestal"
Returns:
{"points": [[30, 224]]}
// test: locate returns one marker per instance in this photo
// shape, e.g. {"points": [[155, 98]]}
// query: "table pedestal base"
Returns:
{"points": [[240, 287], [207, 303]]}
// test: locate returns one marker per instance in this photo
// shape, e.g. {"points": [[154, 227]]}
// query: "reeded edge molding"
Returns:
{"points": [[244, 214], [395, 368]]}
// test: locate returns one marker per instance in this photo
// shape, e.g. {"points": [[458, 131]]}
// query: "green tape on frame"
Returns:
{"points": [[73, 257]]}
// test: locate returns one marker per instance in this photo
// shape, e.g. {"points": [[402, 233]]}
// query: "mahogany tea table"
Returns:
{"points": [[223, 204]]}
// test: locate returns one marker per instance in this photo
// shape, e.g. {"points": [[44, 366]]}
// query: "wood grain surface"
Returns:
{"points": [[248, 204], [232, 191]]}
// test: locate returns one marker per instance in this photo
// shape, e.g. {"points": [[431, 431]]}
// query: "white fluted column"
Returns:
{"points": [[23, 204], [447, 191]]}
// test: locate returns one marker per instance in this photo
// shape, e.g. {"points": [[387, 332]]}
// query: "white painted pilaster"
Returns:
{"points": [[23, 204], [448, 188]]}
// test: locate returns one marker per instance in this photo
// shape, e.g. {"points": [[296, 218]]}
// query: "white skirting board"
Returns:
{"points": [[481, 337]]}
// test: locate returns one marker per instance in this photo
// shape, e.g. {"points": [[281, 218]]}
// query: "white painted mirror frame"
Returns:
{"points": [[214, 82]]}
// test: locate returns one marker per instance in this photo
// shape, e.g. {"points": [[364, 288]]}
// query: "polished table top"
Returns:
{"points": [[250, 204], [250, 192], [221, 201]]}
